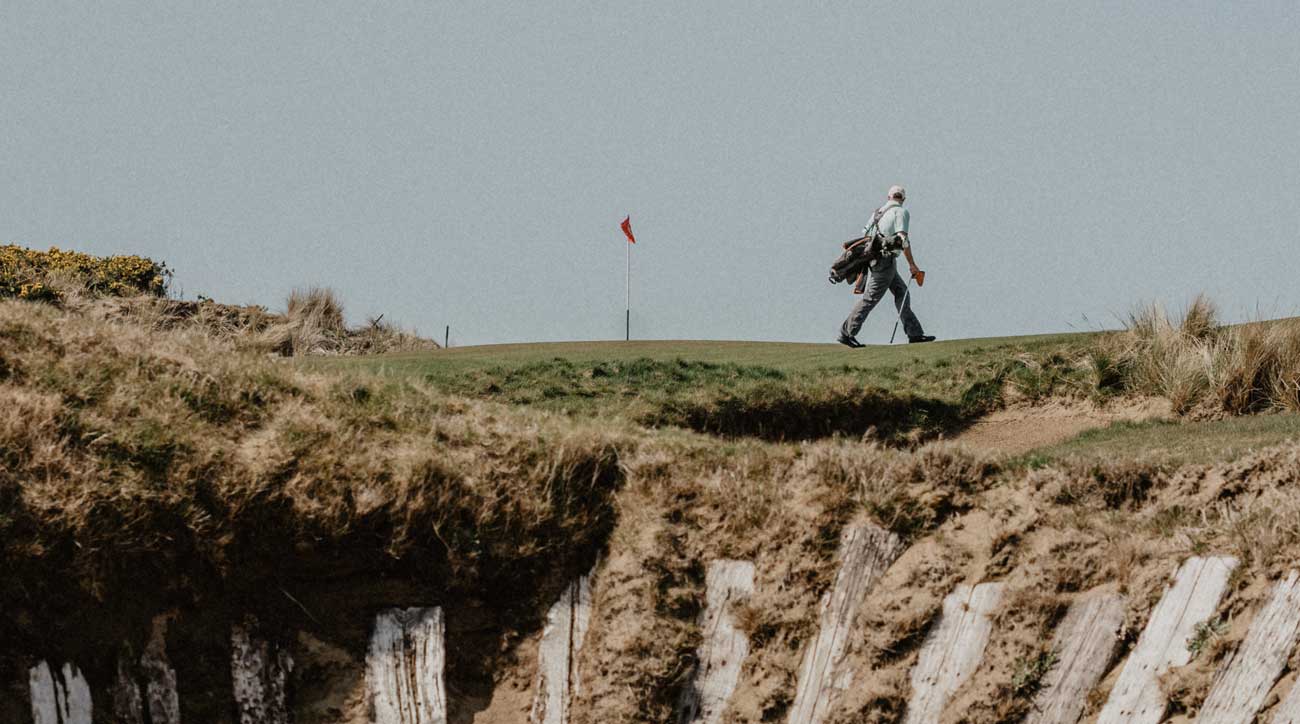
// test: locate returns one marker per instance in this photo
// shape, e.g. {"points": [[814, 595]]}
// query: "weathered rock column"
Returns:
{"points": [[952, 650], [1084, 644], [865, 553], [259, 672], [404, 667], [724, 648], [1137, 697], [59, 696], [1243, 682], [158, 696], [557, 673]]}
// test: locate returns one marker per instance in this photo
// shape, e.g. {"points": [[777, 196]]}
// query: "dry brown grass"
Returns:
{"points": [[908, 492], [313, 324], [150, 465], [162, 462], [1199, 364], [133, 289]]}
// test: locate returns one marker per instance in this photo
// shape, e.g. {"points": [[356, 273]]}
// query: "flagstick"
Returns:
{"points": [[628, 315]]}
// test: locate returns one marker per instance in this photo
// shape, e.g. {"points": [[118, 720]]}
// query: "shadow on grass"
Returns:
{"points": [[790, 413], [734, 400]]}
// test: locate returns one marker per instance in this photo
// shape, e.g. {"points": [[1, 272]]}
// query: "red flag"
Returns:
{"points": [[627, 229]]}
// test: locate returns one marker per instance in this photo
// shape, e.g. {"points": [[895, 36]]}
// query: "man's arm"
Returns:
{"points": [[904, 222], [907, 252]]}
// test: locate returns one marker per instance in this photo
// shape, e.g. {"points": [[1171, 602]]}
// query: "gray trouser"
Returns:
{"points": [[884, 276]]}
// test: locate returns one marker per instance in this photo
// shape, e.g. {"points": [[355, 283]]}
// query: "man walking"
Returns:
{"points": [[890, 223]]}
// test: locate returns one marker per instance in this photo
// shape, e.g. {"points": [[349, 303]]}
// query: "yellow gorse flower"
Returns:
{"points": [[24, 273]]}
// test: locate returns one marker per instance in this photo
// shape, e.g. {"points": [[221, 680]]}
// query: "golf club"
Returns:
{"points": [[920, 280]]}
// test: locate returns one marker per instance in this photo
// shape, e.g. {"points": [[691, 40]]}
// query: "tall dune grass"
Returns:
{"points": [[1200, 364], [313, 323]]}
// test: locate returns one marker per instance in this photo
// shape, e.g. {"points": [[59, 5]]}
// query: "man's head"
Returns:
{"points": [[896, 193]]}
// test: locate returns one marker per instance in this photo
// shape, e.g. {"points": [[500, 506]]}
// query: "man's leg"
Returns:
{"points": [[877, 283], [903, 303]]}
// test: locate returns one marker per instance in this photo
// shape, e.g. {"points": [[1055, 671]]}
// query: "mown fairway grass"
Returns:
{"points": [[812, 390], [1174, 442], [770, 390], [784, 356]]}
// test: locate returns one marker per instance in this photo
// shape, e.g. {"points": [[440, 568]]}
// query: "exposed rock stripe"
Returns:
{"points": [[557, 673], [158, 696], [1084, 643], [1137, 697], [259, 673], [724, 647], [952, 650], [404, 667], [1288, 712], [128, 703], [1244, 680], [59, 696], [865, 553]]}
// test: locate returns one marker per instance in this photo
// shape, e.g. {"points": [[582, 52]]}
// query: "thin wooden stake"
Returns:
{"points": [[59, 696], [259, 673]]}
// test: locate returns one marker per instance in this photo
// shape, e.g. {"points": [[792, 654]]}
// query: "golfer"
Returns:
{"points": [[883, 272]]}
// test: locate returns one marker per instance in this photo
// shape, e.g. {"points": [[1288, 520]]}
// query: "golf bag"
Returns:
{"points": [[857, 257], [859, 254]]}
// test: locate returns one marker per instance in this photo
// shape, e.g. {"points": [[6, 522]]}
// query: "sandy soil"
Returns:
{"points": [[1021, 428]]}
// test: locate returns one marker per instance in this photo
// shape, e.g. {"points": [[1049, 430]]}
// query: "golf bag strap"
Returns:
{"points": [[875, 221]]}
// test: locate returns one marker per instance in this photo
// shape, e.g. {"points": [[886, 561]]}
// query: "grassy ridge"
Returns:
{"points": [[184, 471], [1175, 442], [784, 356], [774, 391], [149, 469], [784, 391]]}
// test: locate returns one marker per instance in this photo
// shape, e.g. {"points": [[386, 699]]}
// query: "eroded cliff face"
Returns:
{"points": [[860, 585]]}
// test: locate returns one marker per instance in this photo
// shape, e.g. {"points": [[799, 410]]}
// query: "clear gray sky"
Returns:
{"points": [[469, 163]]}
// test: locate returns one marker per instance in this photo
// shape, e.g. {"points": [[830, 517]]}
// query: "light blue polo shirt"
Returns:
{"points": [[893, 221]]}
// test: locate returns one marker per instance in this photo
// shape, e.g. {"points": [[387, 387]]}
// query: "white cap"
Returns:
{"points": [[896, 191]]}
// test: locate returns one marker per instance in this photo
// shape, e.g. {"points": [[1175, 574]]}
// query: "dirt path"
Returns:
{"points": [[1022, 428]]}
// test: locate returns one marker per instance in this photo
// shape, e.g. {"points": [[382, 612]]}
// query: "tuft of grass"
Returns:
{"points": [[1029, 672], [317, 307], [1258, 528], [1198, 363], [313, 324], [1205, 634], [1107, 485], [1201, 319]]}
